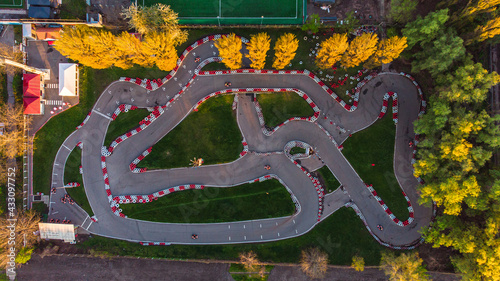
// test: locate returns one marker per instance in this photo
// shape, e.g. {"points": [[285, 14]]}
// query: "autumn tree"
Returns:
{"points": [[402, 11], [158, 18], [26, 225], [425, 30], [487, 31], [359, 50], [229, 47], [469, 83], [12, 142], [285, 49], [314, 262], [407, 267], [313, 23], [387, 51], [358, 263], [257, 48], [476, 7], [249, 260], [128, 51], [13, 54], [90, 46], [159, 48], [331, 50]]}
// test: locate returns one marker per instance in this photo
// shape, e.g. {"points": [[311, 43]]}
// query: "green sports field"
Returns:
{"points": [[236, 11], [11, 3]]}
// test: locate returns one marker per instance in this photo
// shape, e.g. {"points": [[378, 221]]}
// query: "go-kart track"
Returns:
{"points": [[110, 176]]}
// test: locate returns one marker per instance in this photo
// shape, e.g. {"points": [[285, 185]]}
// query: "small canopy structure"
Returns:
{"points": [[31, 94], [59, 231], [68, 79]]}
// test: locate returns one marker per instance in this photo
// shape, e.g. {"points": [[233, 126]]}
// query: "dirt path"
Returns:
{"points": [[89, 268], [78, 268]]}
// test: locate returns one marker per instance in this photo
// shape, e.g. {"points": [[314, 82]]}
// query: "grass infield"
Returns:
{"points": [[125, 122], [72, 174], [375, 145], [278, 107], [267, 199]]}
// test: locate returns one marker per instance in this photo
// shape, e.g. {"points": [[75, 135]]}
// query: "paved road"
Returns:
{"points": [[247, 168]]}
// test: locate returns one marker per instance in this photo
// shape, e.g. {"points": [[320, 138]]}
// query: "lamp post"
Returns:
{"points": [[218, 20], [261, 20]]}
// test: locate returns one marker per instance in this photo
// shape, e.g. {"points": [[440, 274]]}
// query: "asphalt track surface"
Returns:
{"points": [[263, 150]]}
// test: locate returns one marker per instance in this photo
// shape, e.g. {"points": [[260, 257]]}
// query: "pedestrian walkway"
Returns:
{"points": [[53, 102], [52, 86]]}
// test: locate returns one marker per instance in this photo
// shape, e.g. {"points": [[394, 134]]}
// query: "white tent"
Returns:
{"points": [[58, 231], [68, 79]]}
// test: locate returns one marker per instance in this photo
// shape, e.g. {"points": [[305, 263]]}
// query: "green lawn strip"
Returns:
{"points": [[73, 9], [375, 145], [341, 236], [260, 200], [72, 174], [297, 150], [278, 107], [40, 208], [249, 277], [214, 66], [328, 178], [125, 122], [210, 133], [238, 272], [50, 137]]}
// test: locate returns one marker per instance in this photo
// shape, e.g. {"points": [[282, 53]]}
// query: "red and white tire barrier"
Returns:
{"points": [[81, 170], [363, 219], [245, 147], [122, 108], [273, 176], [156, 112], [72, 184], [205, 62], [156, 83], [319, 189], [84, 121], [235, 102], [388, 211], [385, 104], [133, 165], [292, 144], [94, 218], [128, 199], [154, 243], [80, 145]]}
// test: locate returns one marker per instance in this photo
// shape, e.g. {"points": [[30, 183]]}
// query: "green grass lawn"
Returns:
{"points": [[125, 122], [73, 9], [268, 199], [331, 183], [50, 137], [72, 174], [210, 133], [278, 107], [297, 150], [341, 236], [379, 151]]}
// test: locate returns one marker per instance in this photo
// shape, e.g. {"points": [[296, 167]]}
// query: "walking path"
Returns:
{"points": [[109, 178]]}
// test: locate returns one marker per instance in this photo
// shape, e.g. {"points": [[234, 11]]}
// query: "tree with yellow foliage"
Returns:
{"points": [[387, 51], [257, 49], [481, 33], [360, 49], [475, 7], [159, 48], [285, 48], [403, 267], [229, 47], [90, 46], [128, 51], [331, 50]]}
